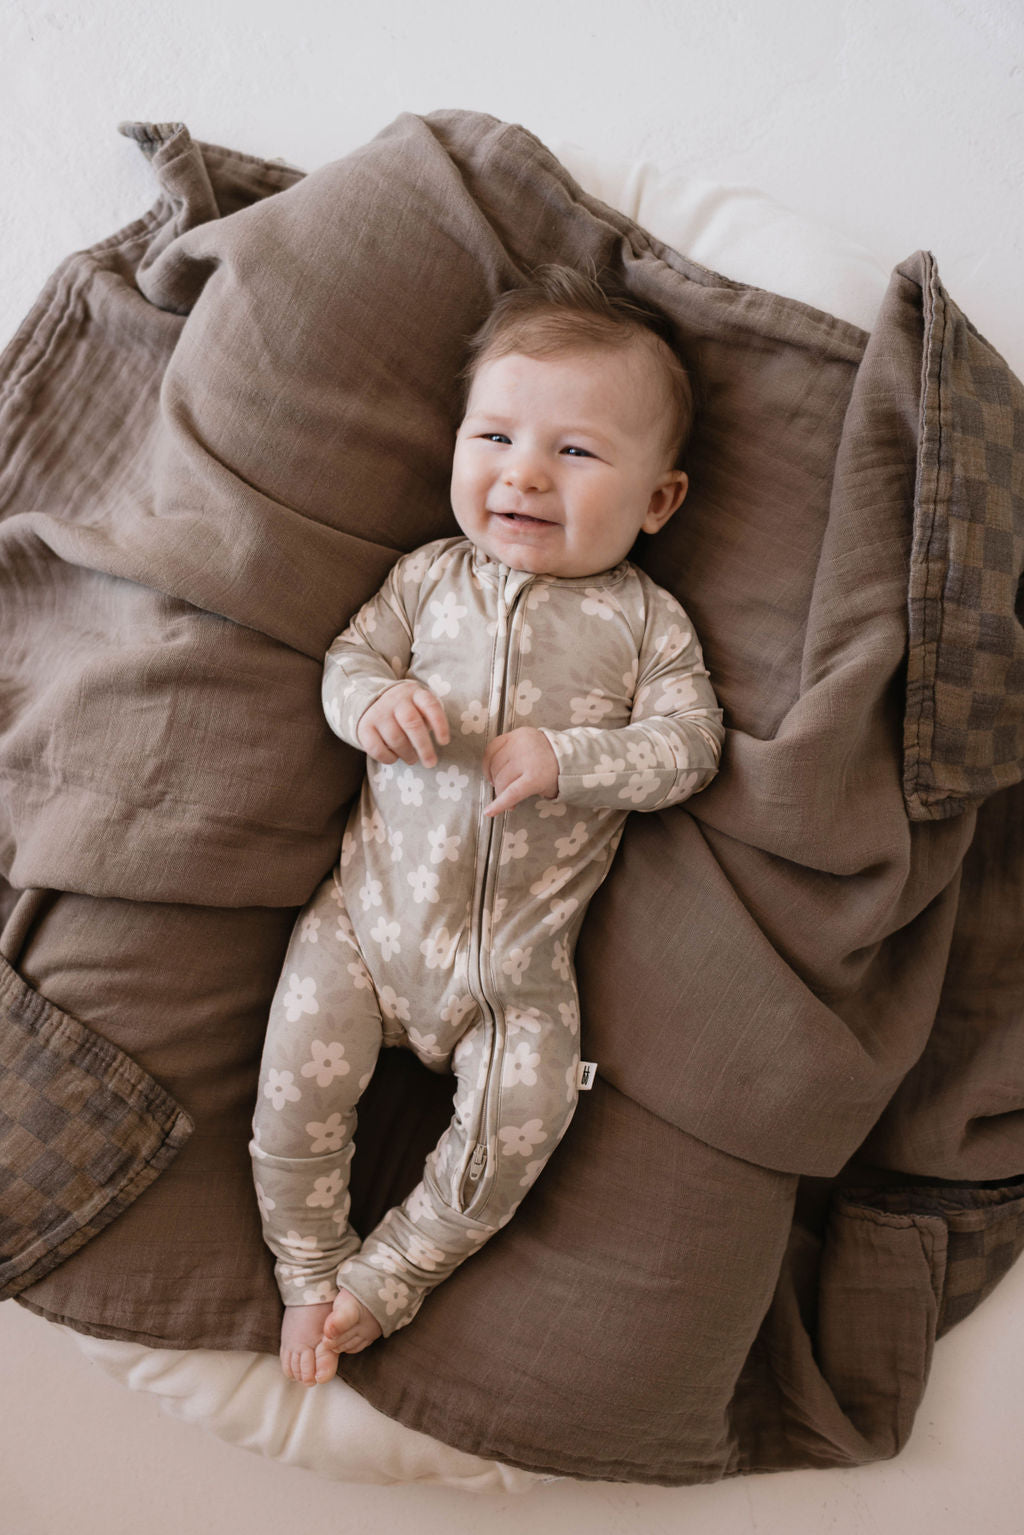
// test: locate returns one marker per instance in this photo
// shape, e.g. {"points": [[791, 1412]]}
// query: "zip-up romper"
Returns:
{"points": [[452, 934]]}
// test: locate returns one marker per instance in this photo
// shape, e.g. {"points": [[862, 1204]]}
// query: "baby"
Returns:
{"points": [[517, 692]]}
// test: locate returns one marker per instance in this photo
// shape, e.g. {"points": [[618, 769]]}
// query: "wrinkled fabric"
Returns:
{"points": [[802, 1157]]}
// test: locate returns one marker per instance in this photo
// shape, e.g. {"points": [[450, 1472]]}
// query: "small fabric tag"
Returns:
{"points": [[585, 1075]]}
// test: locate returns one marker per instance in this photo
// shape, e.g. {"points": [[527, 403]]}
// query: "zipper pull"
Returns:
{"points": [[477, 1163]]}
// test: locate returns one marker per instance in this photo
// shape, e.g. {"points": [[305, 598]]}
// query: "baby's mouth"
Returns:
{"points": [[522, 517]]}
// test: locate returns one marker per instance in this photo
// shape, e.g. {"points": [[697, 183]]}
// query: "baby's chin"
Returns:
{"points": [[539, 562]]}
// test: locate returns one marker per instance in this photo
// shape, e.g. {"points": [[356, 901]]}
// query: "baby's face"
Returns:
{"points": [[561, 461]]}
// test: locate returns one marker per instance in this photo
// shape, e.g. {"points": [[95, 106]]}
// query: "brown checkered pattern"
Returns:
{"points": [[984, 1235], [83, 1131], [964, 720]]}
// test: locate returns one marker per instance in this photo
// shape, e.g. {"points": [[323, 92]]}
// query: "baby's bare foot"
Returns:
{"points": [[348, 1330], [301, 1331]]}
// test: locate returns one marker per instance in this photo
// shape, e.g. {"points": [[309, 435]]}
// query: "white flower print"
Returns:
{"points": [[570, 1015], [561, 961], [348, 847], [437, 684], [410, 787], [551, 880], [264, 1200], [474, 718], [677, 693], [370, 894], [425, 1042], [344, 932], [332, 709], [387, 934], [327, 1062], [629, 677], [493, 919], [538, 594], [522, 1020], [684, 787], [527, 695], [560, 912], [324, 1291], [374, 829], [442, 846], [327, 1136], [641, 754], [395, 843], [300, 1247], [516, 963], [392, 1005], [568, 847], [424, 884], [533, 1170], [425, 1254], [455, 1009], [439, 948], [360, 975], [673, 642], [416, 565], [546, 808], [639, 786], [521, 1065], [446, 612], [641, 698], [520, 1140], [596, 605], [394, 1294], [367, 619], [571, 1081], [590, 710], [418, 1205], [309, 931], [526, 640], [450, 783], [514, 844], [300, 997], [604, 776], [325, 1191]]}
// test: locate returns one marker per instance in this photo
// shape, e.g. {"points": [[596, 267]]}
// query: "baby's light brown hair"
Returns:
{"points": [[563, 310]]}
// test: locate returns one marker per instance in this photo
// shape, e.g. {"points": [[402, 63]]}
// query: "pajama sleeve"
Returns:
{"points": [[372, 654], [671, 746]]}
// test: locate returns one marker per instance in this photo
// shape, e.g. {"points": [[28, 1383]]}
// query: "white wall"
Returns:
{"points": [[900, 122]]}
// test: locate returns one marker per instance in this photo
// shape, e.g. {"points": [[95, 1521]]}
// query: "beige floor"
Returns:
{"points": [[66, 1427]]}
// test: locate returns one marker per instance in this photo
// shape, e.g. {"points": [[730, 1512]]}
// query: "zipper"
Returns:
{"points": [[477, 1165]]}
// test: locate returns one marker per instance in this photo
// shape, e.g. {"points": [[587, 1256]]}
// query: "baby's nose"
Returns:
{"points": [[527, 472]]}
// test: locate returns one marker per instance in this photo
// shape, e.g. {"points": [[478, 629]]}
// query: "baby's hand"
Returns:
{"points": [[519, 764], [399, 725]]}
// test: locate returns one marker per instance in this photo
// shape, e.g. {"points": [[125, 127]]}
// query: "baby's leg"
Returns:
{"points": [[323, 1038], [482, 1167]]}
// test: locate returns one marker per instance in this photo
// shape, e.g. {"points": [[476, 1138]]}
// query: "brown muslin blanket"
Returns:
{"points": [[803, 1156]]}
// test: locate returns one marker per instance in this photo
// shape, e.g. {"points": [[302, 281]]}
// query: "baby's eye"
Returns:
{"points": [[575, 452], [496, 437]]}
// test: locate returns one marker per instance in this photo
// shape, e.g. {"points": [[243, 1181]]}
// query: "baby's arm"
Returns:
{"points": [[367, 698], [671, 747]]}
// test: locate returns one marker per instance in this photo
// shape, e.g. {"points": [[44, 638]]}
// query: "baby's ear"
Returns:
{"points": [[669, 495]]}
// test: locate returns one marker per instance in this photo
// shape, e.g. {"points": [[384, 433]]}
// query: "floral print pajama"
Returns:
{"points": [[451, 934]]}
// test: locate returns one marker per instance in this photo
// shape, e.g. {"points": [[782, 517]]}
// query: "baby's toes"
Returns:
{"points": [[299, 1364], [325, 1363]]}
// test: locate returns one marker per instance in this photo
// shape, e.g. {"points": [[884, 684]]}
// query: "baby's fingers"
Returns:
{"points": [[432, 709], [511, 795]]}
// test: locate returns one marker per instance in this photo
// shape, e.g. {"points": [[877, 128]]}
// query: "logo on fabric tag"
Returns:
{"points": [[585, 1074]]}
